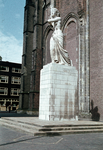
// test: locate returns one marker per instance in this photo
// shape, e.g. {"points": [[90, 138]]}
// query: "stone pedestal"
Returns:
{"points": [[58, 92]]}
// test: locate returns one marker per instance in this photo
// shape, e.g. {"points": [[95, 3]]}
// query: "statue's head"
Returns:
{"points": [[54, 12]]}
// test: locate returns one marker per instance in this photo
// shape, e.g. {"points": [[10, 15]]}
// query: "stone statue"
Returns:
{"points": [[58, 54]]}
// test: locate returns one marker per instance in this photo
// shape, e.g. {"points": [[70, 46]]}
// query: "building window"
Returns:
{"points": [[16, 70], [15, 92], [3, 79], [3, 91], [16, 80], [4, 68]]}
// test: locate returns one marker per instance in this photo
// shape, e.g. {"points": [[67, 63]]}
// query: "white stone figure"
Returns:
{"points": [[58, 54]]}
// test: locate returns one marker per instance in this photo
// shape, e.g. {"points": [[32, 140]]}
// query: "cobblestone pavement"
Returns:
{"points": [[16, 140]]}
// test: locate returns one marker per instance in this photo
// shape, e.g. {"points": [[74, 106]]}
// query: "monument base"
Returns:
{"points": [[58, 92]]}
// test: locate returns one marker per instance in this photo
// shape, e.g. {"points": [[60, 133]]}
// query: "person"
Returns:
{"points": [[94, 112], [6, 107], [58, 54], [9, 108]]}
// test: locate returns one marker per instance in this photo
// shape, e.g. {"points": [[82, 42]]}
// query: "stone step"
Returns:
{"points": [[50, 128], [71, 128], [50, 133], [17, 122], [45, 129], [71, 125], [20, 126], [63, 132], [50, 125]]}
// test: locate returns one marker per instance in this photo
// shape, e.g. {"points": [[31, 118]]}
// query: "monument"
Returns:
{"points": [[58, 80]]}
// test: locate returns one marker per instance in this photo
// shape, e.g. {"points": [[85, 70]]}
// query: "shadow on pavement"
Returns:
{"points": [[20, 141]]}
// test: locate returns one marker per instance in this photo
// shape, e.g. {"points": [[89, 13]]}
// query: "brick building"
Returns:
{"points": [[10, 80], [82, 25]]}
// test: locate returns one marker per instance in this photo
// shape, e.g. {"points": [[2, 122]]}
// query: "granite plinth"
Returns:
{"points": [[58, 88]]}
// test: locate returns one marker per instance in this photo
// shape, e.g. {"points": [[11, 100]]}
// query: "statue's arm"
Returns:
{"points": [[54, 19]]}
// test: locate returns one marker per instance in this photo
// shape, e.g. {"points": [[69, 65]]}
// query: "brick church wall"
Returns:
{"points": [[96, 54], [66, 6], [35, 43], [70, 42]]}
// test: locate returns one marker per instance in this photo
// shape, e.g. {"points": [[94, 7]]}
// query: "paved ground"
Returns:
{"points": [[10, 140], [17, 140]]}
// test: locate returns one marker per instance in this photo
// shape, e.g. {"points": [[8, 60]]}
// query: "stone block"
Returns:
{"points": [[57, 92]]}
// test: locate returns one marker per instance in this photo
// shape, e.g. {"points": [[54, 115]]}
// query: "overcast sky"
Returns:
{"points": [[11, 30]]}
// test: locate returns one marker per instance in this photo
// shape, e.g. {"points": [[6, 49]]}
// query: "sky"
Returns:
{"points": [[11, 30]]}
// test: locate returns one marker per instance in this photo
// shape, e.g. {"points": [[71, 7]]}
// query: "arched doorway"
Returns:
{"points": [[46, 53]]}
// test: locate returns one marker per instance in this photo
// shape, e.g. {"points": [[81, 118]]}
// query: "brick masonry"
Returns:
{"points": [[82, 25], [32, 56], [96, 54]]}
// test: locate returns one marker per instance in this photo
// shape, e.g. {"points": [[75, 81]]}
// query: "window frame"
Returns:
{"points": [[12, 89], [13, 80], [7, 68], [6, 79], [13, 70], [5, 91]]}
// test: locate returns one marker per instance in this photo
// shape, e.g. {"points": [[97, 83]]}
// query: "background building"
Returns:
{"points": [[10, 80], [0, 58], [82, 26]]}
